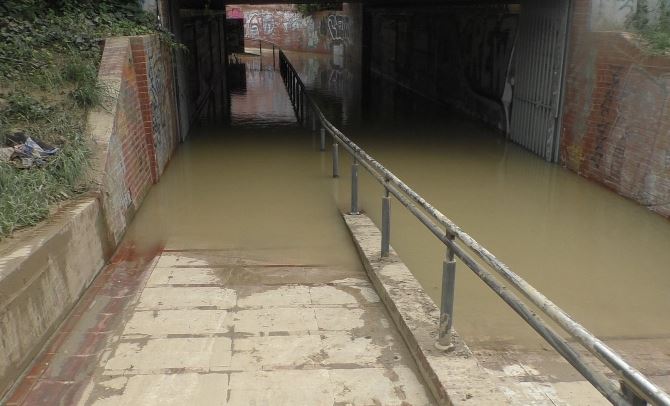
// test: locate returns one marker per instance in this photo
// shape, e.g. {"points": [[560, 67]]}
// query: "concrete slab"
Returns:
{"points": [[156, 355], [183, 276], [278, 319], [274, 352], [159, 323], [339, 318], [163, 298], [238, 335], [164, 390], [378, 386], [262, 296], [285, 387]]}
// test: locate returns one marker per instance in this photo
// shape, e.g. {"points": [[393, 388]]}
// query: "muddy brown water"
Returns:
{"points": [[261, 183]]}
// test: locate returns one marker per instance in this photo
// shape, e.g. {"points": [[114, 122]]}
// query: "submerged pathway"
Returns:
{"points": [[236, 285], [226, 328]]}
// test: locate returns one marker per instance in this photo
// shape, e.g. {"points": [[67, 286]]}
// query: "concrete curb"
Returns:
{"points": [[454, 378]]}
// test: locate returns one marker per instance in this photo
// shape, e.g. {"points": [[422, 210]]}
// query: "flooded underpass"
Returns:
{"points": [[238, 268], [227, 254], [597, 255], [235, 281], [601, 257]]}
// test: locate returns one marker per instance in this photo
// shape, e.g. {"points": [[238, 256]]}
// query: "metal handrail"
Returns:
{"points": [[635, 387]]}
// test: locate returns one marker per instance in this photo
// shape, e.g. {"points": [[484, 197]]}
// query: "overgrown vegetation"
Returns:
{"points": [[314, 7], [653, 25], [49, 55]]}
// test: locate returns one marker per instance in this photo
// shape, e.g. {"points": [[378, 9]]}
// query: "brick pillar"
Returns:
{"points": [[138, 47]]}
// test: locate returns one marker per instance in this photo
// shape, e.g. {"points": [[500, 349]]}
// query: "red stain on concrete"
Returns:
{"points": [[60, 374]]}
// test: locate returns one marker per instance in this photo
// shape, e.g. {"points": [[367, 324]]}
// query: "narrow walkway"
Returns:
{"points": [[237, 285]]}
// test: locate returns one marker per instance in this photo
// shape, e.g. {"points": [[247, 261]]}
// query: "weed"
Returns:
{"points": [[49, 55], [655, 32]]}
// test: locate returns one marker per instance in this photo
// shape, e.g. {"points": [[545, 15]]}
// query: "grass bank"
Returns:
{"points": [[49, 56]]}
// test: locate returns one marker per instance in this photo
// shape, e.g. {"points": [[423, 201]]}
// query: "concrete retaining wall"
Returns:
{"points": [[45, 270], [42, 276]]}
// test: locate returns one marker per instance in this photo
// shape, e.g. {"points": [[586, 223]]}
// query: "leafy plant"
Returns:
{"points": [[49, 57], [656, 34]]}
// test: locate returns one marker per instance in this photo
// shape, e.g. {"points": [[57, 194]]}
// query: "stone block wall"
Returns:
{"points": [[616, 121]]}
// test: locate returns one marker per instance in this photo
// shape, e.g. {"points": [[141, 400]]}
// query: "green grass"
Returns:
{"points": [[655, 35], [49, 56]]}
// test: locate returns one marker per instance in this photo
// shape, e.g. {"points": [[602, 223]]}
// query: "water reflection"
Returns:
{"points": [[251, 185]]}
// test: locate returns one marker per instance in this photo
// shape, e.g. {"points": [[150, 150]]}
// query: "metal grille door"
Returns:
{"points": [[539, 57]]}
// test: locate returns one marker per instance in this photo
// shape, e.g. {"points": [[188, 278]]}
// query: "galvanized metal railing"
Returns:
{"points": [[634, 388], [260, 42]]}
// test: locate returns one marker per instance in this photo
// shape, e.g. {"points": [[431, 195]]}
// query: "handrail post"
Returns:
{"points": [[444, 341], [386, 223], [302, 106], [354, 187], [322, 144], [336, 160], [631, 396], [273, 57]]}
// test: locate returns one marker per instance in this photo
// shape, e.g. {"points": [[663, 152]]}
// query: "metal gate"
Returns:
{"points": [[538, 76]]}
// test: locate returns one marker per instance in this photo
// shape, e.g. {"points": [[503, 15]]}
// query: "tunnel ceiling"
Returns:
{"points": [[220, 4]]}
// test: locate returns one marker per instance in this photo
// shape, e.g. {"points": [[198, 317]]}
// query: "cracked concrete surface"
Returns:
{"points": [[210, 328]]}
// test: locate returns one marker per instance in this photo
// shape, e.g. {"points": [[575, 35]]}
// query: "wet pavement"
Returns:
{"points": [[228, 291]]}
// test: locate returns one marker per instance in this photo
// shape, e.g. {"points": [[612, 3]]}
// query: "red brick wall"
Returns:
{"points": [[140, 66], [285, 26], [616, 122], [132, 126]]}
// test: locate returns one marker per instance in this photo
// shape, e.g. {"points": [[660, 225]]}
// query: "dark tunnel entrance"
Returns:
{"points": [[501, 64]]}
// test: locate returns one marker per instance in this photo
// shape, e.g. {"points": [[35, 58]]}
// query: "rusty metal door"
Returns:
{"points": [[538, 76]]}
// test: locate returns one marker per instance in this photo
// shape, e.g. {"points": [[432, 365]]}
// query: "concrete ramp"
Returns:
{"points": [[226, 328]]}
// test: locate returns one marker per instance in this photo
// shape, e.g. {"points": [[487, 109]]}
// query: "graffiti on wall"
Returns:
{"points": [[293, 30], [160, 91], [269, 23], [338, 27]]}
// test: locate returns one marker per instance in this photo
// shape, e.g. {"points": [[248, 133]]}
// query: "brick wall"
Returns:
{"points": [[138, 130], [291, 30], [153, 64], [616, 122]]}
